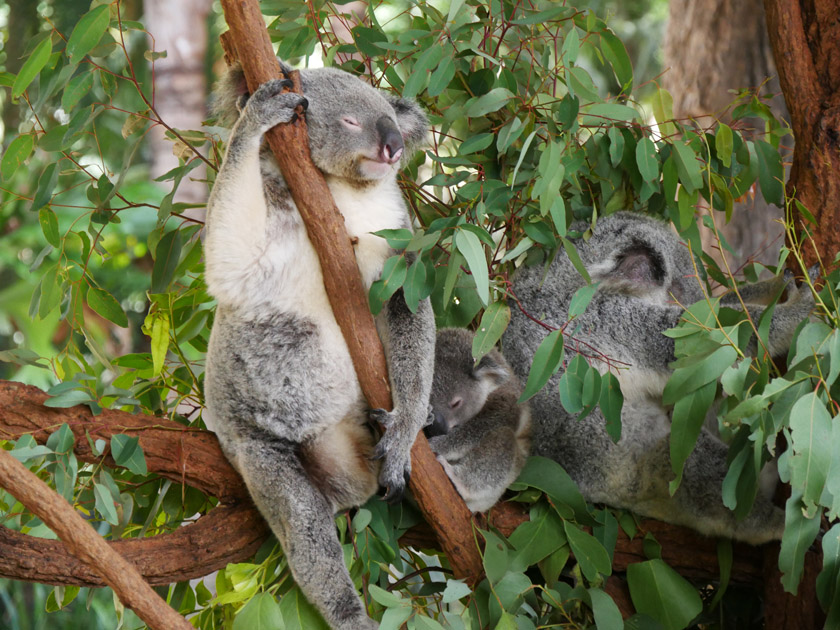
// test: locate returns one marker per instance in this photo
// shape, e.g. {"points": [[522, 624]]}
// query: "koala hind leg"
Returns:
{"points": [[302, 519]]}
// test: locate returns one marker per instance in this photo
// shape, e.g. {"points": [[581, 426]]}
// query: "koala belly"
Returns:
{"points": [[339, 462], [278, 374]]}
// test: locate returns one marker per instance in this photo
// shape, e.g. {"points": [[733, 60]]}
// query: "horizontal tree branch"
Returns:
{"points": [[233, 531], [84, 543]]}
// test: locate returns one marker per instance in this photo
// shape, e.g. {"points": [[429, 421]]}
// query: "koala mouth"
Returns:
{"points": [[371, 168]]}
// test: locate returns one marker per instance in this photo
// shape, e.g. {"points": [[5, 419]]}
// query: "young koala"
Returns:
{"points": [[643, 271], [282, 393], [480, 434]]}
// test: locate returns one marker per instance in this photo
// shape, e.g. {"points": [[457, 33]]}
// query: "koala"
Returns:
{"points": [[281, 391], [645, 278], [481, 436]]}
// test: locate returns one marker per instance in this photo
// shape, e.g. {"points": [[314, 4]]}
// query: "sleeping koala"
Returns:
{"points": [[643, 271], [480, 434], [282, 393]]}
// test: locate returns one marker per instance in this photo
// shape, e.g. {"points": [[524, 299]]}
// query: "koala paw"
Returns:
{"points": [[380, 416], [394, 450], [270, 105]]}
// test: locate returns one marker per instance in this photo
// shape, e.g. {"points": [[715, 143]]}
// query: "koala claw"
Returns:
{"points": [[270, 105], [814, 272], [787, 276], [394, 494]]}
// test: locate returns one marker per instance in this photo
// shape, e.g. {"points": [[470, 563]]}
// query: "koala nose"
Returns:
{"points": [[391, 144], [438, 427]]}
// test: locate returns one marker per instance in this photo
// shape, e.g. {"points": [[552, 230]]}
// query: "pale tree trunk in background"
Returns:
{"points": [[712, 47], [180, 28], [23, 17]]}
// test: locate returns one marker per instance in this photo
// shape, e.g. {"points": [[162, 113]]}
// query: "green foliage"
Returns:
{"points": [[537, 133]]}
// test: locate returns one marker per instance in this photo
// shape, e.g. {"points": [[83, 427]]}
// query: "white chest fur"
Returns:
{"points": [[293, 281], [366, 211]]}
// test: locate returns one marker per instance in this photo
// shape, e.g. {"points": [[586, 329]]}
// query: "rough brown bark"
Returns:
{"points": [[783, 611], [713, 47], [440, 503], [233, 531], [225, 535], [805, 37], [87, 545]]}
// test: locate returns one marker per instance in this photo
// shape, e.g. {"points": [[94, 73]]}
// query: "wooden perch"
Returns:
{"points": [[83, 542], [234, 530], [441, 505]]}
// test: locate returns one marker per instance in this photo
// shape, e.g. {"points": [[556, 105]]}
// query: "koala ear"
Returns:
{"points": [[638, 265], [229, 95], [490, 370], [412, 121]]}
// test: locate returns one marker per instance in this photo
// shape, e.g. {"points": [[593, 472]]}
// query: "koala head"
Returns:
{"points": [[356, 131], [460, 386], [638, 255]]}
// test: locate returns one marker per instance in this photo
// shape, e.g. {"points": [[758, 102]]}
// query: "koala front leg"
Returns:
{"points": [[236, 210], [409, 341], [302, 519]]}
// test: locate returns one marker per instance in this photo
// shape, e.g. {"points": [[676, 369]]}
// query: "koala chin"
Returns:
{"points": [[281, 390], [643, 273]]}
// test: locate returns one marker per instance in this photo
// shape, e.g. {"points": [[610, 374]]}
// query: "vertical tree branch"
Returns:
{"points": [[805, 37], [437, 498], [84, 543]]}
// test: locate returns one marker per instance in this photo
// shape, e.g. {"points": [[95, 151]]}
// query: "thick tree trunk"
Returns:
{"points": [[805, 37], [711, 48]]}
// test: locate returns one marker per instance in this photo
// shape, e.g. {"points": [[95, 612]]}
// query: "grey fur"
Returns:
{"points": [[640, 264], [282, 393], [480, 435]]}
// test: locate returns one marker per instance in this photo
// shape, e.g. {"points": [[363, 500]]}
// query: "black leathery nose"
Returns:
{"points": [[390, 138], [438, 427]]}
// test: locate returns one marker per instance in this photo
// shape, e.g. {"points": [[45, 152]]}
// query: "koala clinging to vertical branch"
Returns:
{"points": [[480, 434], [282, 394], [643, 271]]}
